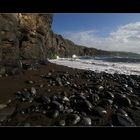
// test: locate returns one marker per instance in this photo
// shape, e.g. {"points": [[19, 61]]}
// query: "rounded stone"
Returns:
{"points": [[95, 98], [33, 91], [99, 88], [88, 104], [108, 95], [62, 123], [29, 82], [53, 114], [57, 105], [100, 111], [2, 106], [46, 99], [41, 86], [72, 119], [124, 120], [27, 124], [66, 99], [86, 121]]}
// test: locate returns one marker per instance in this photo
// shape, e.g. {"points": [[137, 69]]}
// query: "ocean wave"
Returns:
{"points": [[100, 65]]}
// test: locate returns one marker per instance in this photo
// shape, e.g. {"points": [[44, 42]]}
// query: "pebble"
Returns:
{"points": [[130, 89], [44, 112], [27, 124], [30, 82], [109, 101], [72, 119], [31, 100], [54, 98], [68, 83], [124, 120], [62, 123], [57, 105], [105, 103], [81, 97], [121, 111], [22, 112], [83, 114], [49, 90], [2, 106], [95, 98], [69, 110], [126, 101], [100, 88], [88, 104], [100, 111], [46, 99], [109, 95], [18, 93], [125, 85], [86, 121], [135, 102], [115, 106], [41, 86], [123, 101], [59, 82], [9, 101], [53, 114], [33, 91], [49, 74], [25, 89], [66, 99], [26, 95], [6, 75]]}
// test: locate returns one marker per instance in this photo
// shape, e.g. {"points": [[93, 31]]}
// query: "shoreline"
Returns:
{"points": [[100, 66], [97, 99]]}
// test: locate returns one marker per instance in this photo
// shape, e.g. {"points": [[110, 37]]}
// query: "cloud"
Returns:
{"points": [[125, 38]]}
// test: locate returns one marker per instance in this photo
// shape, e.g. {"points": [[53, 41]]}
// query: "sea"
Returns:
{"points": [[119, 65]]}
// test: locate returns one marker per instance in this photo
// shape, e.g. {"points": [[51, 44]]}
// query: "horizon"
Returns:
{"points": [[104, 31]]}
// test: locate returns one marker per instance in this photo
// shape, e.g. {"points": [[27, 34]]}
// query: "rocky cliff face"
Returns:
{"points": [[24, 36], [63, 47], [29, 36]]}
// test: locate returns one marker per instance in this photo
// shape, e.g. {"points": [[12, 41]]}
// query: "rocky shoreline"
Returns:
{"points": [[52, 95]]}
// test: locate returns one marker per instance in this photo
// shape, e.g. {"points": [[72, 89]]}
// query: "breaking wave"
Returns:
{"points": [[128, 66]]}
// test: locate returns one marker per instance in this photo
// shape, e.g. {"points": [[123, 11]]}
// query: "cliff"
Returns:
{"points": [[24, 36], [29, 36]]}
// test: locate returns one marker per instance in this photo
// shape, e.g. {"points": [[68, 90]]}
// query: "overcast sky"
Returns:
{"points": [[118, 32]]}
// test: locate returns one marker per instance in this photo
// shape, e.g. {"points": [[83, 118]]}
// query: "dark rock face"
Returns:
{"points": [[24, 35], [63, 47], [34, 34], [29, 36], [9, 45]]}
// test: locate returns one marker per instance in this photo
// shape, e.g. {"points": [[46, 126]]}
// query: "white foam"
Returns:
{"points": [[99, 65]]}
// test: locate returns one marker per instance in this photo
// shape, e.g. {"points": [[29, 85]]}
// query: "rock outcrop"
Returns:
{"points": [[24, 36], [63, 47], [29, 36]]}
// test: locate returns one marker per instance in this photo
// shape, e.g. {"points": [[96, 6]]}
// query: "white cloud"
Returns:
{"points": [[125, 38]]}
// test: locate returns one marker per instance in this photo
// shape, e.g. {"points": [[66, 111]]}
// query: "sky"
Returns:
{"points": [[106, 31]]}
